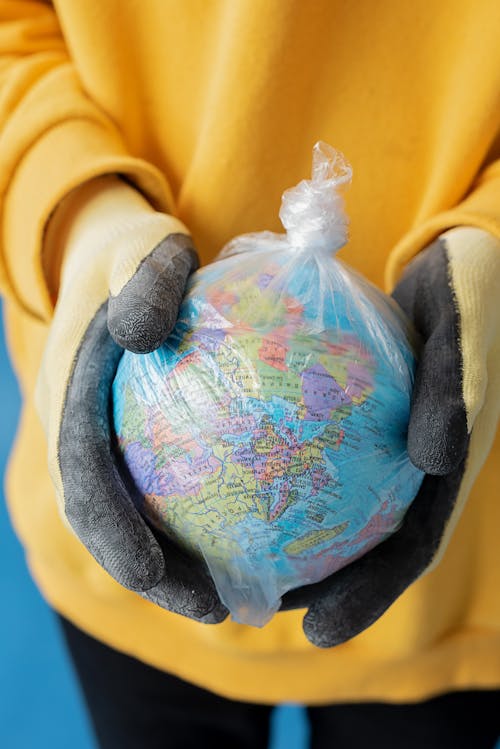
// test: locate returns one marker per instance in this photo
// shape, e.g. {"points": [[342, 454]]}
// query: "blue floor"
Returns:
{"points": [[39, 700]]}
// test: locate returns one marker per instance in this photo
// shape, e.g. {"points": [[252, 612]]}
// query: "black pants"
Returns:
{"points": [[134, 706]]}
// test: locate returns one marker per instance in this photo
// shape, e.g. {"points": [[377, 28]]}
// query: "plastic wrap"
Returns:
{"points": [[268, 433]]}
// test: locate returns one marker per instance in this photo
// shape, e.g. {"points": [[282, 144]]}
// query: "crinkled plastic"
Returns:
{"points": [[268, 434]]}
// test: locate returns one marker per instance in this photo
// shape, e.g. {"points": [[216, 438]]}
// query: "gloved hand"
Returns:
{"points": [[451, 291], [124, 272]]}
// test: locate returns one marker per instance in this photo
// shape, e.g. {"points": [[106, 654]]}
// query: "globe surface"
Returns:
{"points": [[273, 447]]}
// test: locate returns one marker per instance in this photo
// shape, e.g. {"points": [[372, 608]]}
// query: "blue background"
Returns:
{"points": [[40, 704]]}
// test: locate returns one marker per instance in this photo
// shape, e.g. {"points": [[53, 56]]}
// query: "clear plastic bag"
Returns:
{"points": [[268, 434]]}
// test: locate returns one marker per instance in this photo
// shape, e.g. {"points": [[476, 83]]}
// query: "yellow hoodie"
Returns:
{"points": [[210, 109]]}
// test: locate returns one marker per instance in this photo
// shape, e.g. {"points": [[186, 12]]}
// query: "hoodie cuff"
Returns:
{"points": [[479, 209], [64, 158]]}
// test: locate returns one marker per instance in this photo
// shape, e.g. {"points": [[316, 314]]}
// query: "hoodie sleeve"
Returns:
{"points": [[53, 138], [480, 208]]}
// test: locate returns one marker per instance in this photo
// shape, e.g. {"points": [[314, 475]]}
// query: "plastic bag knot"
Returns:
{"points": [[312, 212]]}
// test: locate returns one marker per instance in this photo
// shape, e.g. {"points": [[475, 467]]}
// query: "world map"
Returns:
{"points": [[268, 434]]}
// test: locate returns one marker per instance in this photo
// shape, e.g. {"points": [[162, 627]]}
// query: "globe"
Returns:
{"points": [[268, 434]]}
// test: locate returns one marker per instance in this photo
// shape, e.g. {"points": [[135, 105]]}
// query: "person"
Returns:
{"points": [[132, 134]]}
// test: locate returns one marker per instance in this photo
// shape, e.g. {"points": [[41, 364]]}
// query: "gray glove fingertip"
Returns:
{"points": [[186, 588], [437, 431], [187, 602], [437, 436], [354, 603], [145, 311]]}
